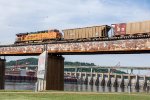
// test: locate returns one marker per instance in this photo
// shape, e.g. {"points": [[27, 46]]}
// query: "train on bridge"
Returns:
{"points": [[127, 30]]}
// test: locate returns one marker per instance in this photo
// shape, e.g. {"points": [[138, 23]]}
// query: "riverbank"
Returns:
{"points": [[60, 95]]}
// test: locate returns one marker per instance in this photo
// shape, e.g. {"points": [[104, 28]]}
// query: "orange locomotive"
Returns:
{"points": [[40, 36]]}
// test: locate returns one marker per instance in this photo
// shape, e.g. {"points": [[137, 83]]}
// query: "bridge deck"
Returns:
{"points": [[96, 47]]}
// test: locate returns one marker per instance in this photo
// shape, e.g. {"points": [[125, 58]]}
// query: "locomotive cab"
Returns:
{"points": [[55, 34], [20, 37]]}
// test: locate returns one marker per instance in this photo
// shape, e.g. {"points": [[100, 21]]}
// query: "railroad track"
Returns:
{"points": [[83, 40]]}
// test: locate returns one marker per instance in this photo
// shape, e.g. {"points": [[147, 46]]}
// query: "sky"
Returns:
{"points": [[19, 16]]}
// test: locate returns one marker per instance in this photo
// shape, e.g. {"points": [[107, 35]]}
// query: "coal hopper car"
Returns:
{"points": [[86, 32]]}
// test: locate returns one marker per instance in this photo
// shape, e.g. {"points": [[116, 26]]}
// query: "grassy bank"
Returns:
{"points": [[71, 96]]}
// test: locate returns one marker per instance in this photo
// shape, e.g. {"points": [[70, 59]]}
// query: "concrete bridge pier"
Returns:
{"points": [[115, 84], [70, 73], [137, 85], [145, 83], [129, 80], [97, 80], [2, 73], [80, 75], [80, 78], [102, 83], [91, 79], [76, 70], [55, 73], [86, 79], [41, 85], [109, 80], [122, 82]]}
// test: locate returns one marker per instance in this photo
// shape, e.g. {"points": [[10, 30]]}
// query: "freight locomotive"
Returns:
{"points": [[40, 36], [86, 33]]}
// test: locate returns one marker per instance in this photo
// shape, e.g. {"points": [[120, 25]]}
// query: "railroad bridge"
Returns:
{"points": [[123, 46], [55, 69]]}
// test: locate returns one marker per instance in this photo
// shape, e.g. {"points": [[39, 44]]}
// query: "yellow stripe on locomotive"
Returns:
{"points": [[38, 36]]}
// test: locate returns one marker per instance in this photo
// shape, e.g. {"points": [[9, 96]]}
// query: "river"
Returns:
{"points": [[72, 87]]}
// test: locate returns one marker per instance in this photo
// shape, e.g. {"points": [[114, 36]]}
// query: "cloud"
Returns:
{"points": [[32, 15]]}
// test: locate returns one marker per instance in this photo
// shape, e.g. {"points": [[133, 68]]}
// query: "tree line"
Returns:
{"points": [[34, 61]]}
